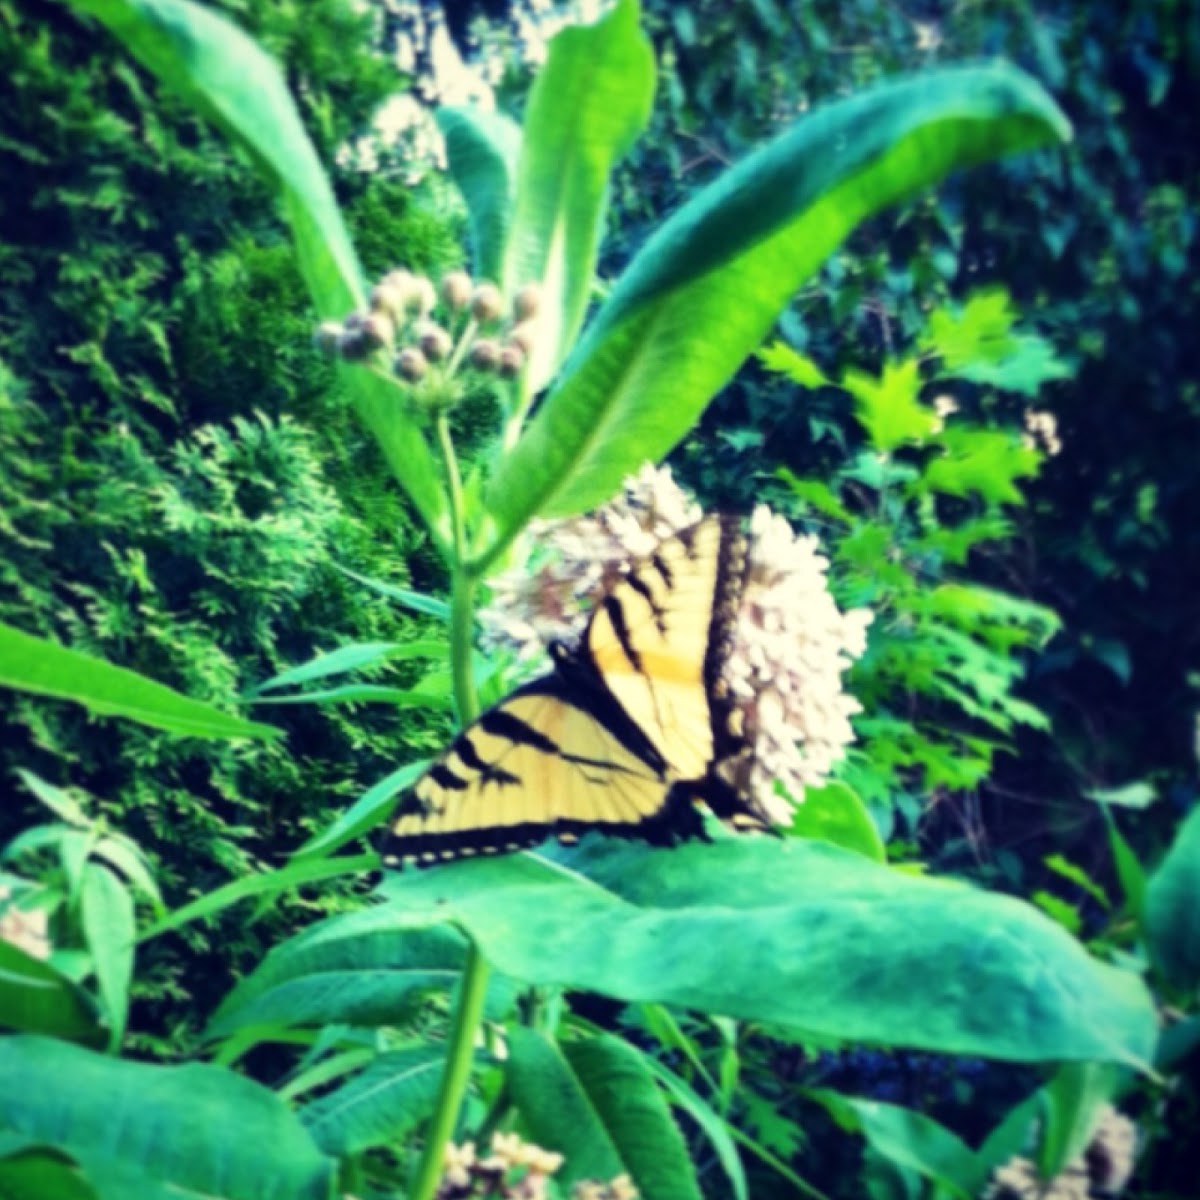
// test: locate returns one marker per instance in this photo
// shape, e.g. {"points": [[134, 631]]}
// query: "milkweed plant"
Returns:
{"points": [[440, 1055]]}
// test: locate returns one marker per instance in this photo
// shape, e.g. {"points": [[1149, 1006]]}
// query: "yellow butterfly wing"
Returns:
{"points": [[604, 741], [537, 764], [659, 637]]}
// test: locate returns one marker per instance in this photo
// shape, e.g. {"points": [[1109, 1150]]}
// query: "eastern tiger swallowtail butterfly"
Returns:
{"points": [[620, 737]]}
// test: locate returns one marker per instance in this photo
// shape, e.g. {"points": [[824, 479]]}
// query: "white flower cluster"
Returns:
{"points": [[1104, 1168], [574, 562], [789, 645], [28, 930]]}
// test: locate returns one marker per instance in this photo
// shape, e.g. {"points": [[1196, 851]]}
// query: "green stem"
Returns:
{"points": [[464, 1021], [455, 1075]]}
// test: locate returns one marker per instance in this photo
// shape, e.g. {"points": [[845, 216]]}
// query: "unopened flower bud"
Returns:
{"points": [[353, 345], [436, 343], [456, 289], [388, 299], [487, 303], [422, 296], [378, 330], [400, 279], [523, 335], [327, 336], [485, 354], [512, 359], [411, 364], [527, 301]]}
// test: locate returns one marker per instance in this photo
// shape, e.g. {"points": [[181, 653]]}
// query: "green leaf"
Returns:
{"points": [[380, 1105], [909, 1140], [1139, 794], [1078, 876], [231, 81], [35, 998], [55, 799], [978, 331], [129, 860], [271, 883], [36, 665], [1130, 873], [353, 658], [835, 813], [805, 934], [365, 814], [108, 926], [705, 289], [37, 1173], [708, 1121], [981, 462], [1071, 1101], [364, 971], [596, 1102], [187, 1130], [888, 407], [419, 602], [482, 151], [1172, 902], [799, 368], [587, 106]]}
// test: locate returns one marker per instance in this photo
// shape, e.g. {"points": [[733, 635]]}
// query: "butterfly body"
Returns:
{"points": [[621, 736]]}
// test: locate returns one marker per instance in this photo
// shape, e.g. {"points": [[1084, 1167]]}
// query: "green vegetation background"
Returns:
{"points": [[181, 483]]}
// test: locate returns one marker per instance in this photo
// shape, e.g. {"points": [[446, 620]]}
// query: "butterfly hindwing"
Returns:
{"points": [[618, 738]]}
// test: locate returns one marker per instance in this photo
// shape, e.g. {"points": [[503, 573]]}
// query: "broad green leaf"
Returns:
{"points": [[588, 104], [230, 80], [809, 936], [370, 973], [1030, 364], [978, 331], [352, 658], [380, 1105], [622, 1091], [557, 1109], [483, 150], [596, 1102], [106, 908], [269, 884], [365, 814], [33, 664], [1171, 923], [888, 408], [181, 1131], [35, 998], [909, 1140], [705, 289], [835, 813]]}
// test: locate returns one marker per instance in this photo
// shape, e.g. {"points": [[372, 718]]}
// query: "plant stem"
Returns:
{"points": [[464, 1021], [455, 1076]]}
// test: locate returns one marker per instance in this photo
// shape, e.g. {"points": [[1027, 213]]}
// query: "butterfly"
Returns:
{"points": [[621, 736]]}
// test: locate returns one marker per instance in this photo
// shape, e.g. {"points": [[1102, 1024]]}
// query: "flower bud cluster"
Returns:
{"points": [[426, 330]]}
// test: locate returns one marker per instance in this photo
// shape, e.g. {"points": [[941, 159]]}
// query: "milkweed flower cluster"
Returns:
{"points": [[789, 645], [515, 1170], [1103, 1169], [27, 930]]}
